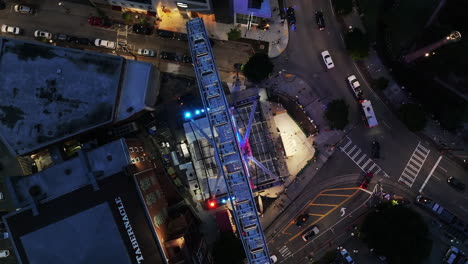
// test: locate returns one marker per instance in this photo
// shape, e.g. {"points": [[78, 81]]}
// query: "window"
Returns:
{"points": [[137, 159], [141, 149], [131, 149], [136, 149]]}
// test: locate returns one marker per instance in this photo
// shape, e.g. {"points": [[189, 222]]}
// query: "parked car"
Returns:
{"points": [[327, 59], [312, 231], [181, 36], [3, 235], [99, 22], [146, 52], [4, 253], [355, 86], [168, 56], [42, 34], [105, 43], [142, 29], [11, 30], [84, 41], [1, 196], [23, 9], [290, 15], [375, 150], [346, 256], [456, 184], [165, 34], [302, 219], [187, 59], [320, 20], [366, 180], [273, 259], [62, 37]]}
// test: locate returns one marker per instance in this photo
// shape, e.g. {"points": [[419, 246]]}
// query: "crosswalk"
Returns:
{"points": [[285, 251], [414, 165], [360, 158]]}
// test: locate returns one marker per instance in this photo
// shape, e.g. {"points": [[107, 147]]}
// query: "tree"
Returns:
{"points": [[343, 7], [381, 83], [337, 114], [398, 233], [258, 67], [357, 44], [228, 249], [413, 116], [234, 34]]}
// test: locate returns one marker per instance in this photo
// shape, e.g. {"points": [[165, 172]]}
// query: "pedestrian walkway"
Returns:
{"points": [[364, 162], [285, 252], [414, 165]]}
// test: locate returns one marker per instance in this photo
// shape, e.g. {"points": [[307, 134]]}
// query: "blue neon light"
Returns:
{"points": [[197, 112], [187, 114]]}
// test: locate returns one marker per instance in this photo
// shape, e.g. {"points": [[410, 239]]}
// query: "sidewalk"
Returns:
{"points": [[394, 96]]}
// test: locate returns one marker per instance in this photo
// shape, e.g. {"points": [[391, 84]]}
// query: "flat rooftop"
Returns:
{"points": [[87, 226], [50, 93]]}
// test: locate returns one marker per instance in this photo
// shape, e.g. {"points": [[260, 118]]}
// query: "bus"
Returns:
{"points": [[368, 113]]}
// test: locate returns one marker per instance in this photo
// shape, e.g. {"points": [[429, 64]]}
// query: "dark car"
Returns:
{"points": [[187, 59], [165, 34], [366, 180], [168, 56], [84, 41], [302, 219], [456, 184], [181, 36], [99, 22], [142, 29], [320, 20], [73, 39], [291, 16], [62, 37], [375, 150]]}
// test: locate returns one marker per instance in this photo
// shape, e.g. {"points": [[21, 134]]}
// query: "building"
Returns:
{"points": [[112, 204]]}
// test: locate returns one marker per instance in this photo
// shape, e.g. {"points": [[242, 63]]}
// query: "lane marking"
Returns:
{"points": [[315, 214], [442, 168], [331, 205], [430, 174], [367, 191], [331, 194]]}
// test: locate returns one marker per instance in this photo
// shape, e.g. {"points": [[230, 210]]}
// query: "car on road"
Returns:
{"points": [[42, 34], [327, 59], [104, 43], [355, 86], [23, 9], [273, 259], [456, 184], [4, 253], [62, 37], [312, 231], [165, 34], [146, 52], [301, 219], [375, 150], [11, 30], [320, 20], [142, 29], [291, 15], [366, 180], [346, 256], [4, 235], [168, 56], [99, 22], [187, 59]]}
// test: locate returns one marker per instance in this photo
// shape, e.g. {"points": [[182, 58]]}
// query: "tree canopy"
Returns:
{"points": [[398, 233], [234, 34], [337, 114], [258, 67], [413, 116], [343, 7], [357, 44], [228, 249]]}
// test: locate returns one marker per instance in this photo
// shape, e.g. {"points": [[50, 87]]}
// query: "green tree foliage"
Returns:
{"points": [[258, 67], [337, 114], [398, 233], [234, 34], [228, 249], [413, 116], [381, 83], [127, 17], [357, 44], [343, 7]]}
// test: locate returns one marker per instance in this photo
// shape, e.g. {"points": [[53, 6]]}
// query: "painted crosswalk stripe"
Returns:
{"points": [[414, 165]]}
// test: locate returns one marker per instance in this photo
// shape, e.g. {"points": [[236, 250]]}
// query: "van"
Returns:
{"points": [[451, 255]]}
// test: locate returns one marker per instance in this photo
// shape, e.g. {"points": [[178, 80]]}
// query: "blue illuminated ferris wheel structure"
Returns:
{"points": [[232, 151]]}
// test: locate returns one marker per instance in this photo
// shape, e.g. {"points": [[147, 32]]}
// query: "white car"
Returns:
{"points": [[4, 235], [104, 43], [327, 59], [273, 259], [4, 253], [355, 86], [146, 52], [23, 9], [312, 231], [42, 34], [11, 30], [346, 256]]}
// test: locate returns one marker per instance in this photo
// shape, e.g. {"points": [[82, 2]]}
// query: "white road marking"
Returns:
{"points": [[436, 177], [463, 208], [440, 167], [430, 174], [357, 156], [367, 191], [414, 165], [385, 123]]}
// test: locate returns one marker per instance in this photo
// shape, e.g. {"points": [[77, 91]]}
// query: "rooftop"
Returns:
{"points": [[53, 93], [247, 7]]}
